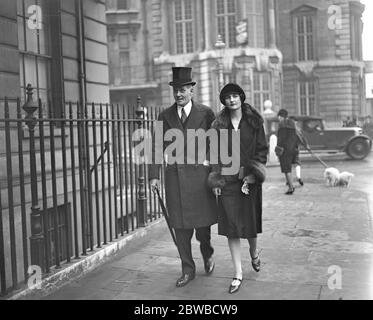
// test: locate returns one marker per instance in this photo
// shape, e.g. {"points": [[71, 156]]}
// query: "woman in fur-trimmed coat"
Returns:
{"points": [[240, 204]]}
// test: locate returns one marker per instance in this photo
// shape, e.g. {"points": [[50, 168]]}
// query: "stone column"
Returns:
{"points": [[207, 30]]}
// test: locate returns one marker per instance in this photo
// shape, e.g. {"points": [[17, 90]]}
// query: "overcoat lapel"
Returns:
{"points": [[195, 118], [173, 118]]}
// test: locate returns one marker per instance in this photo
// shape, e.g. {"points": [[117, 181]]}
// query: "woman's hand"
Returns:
{"points": [[216, 192], [250, 179]]}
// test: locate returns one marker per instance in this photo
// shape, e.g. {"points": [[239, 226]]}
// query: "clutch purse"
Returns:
{"points": [[279, 151]]}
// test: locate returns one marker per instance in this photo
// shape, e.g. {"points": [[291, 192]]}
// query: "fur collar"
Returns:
{"points": [[251, 115]]}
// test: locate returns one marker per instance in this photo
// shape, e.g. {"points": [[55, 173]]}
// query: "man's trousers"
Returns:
{"points": [[184, 237]]}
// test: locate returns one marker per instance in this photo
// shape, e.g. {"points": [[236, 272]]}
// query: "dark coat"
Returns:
{"points": [[256, 158], [190, 201], [287, 137], [258, 149]]}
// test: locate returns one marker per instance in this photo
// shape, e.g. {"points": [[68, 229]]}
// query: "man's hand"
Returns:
{"points": [[154, 184], [250, 179]]}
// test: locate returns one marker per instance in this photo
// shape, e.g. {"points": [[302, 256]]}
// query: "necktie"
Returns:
{"points": [[183, 115]]}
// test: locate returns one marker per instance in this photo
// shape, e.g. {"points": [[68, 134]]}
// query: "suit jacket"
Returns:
{"points": [[190, 201]]}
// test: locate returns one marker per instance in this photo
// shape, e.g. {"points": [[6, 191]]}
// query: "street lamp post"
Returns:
{"points": [[141, 196], [36, 219]]}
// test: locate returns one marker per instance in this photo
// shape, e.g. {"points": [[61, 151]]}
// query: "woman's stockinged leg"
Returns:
{"points": [[289, 179], [253, 251], [254, 254], [235, 249]]}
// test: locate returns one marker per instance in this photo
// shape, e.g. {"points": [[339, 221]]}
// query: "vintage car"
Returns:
{"points": [[350, 140]]}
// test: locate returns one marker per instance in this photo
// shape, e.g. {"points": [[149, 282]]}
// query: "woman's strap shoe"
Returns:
{"points": [[290, 191], [235, 287], [256, 263]]}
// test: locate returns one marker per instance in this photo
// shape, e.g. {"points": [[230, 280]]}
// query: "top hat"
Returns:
{"points": [[231, 88], [181, 76], [282, 113]]}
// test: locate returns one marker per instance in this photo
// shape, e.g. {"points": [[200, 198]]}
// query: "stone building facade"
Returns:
{"points": [[302, 55], [130, 52], [43, 43], [185, 33], [323, 69]]}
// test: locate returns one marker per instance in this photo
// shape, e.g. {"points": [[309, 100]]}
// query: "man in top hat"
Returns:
{"points": [[190, 202]]}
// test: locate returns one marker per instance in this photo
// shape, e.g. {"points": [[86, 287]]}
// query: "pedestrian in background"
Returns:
{"points": [[296, 161], [287, 149], [240, 204], [189, 201]]}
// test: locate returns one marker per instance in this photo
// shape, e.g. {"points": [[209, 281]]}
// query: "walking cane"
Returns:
{"points": [[165, 213]]}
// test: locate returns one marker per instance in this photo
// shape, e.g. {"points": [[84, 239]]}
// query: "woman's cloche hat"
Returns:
{"points": [[232, 88]]}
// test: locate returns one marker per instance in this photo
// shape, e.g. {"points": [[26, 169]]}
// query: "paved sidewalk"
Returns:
{"points": [[303, 236]]}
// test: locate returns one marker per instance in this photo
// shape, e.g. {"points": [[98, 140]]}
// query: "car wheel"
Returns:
{"points": [[358, 149]]}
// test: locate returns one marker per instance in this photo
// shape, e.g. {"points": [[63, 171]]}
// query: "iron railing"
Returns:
{"points": [[68, 185]]}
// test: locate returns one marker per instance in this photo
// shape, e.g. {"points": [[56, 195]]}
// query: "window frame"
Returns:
{"points": [[262, 92], [304, 12], [229, 42], [253, 40], [54, 93], [183, 22], [307, 97], [126, 79], [123, 4]]}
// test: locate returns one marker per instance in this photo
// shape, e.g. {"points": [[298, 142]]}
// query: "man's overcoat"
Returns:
{"points": [[190, 202]]}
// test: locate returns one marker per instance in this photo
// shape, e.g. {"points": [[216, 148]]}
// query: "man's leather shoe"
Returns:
{"points": [[184, 280], [209, 266]]}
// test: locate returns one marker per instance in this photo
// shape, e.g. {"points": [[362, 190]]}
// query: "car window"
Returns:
{"points": [[312, 125]]}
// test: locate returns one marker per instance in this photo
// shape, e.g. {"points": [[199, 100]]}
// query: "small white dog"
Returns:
{"points": [[334, 178], [331, 176], [344, 179]]}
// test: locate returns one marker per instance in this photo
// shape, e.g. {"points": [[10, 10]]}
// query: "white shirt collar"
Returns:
{"points": [[187, 109]]}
